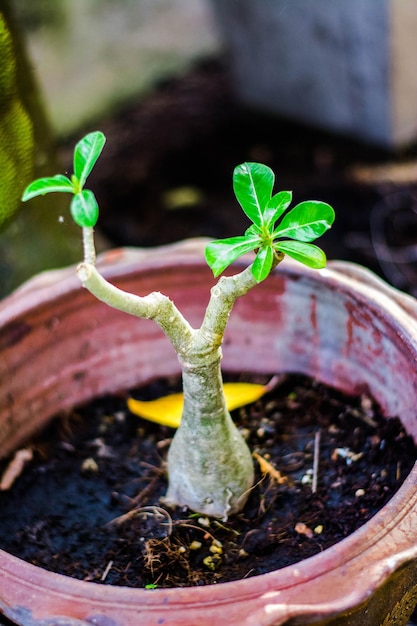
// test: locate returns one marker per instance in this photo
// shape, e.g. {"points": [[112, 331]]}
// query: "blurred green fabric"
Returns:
{"points": [[16, 131], [38, 235]]}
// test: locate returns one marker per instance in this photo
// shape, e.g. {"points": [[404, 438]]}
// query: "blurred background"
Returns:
{"points": [[187, 89]]}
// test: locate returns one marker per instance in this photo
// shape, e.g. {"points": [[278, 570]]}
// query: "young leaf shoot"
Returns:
{"points": [[273, 232]]}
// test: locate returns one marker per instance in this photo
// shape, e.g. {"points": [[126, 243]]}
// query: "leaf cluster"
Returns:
{"points": [[274, 231], [84, 207]]}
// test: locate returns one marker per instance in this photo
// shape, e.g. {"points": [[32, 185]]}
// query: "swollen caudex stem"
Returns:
{"points": [[209, 465], [210, 468]]}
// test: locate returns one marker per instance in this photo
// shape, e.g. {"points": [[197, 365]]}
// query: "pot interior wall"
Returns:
{"points": [[354, 339], [71, 348]]}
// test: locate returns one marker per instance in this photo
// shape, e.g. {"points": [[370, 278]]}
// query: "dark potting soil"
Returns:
{"points": [[88, 504]]}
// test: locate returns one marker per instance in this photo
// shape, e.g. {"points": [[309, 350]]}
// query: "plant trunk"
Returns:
{"points": [[210, 466]]}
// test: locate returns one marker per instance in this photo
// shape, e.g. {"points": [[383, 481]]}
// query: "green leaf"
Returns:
{"points": [[305, 253], [86, 154], [221, 253], [306, 221], [262, 265], [84, 209], [253, 231], [252, 184], [276, 206], [41, 186]]}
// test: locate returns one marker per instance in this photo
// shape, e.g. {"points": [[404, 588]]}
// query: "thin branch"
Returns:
{"points": [[89, 247], [223, 296], [153, 306]]}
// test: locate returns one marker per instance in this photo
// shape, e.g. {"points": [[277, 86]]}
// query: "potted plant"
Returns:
{"points": [[59, 346]]}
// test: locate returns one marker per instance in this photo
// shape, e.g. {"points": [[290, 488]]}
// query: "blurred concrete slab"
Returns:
{"points": [[347, 67]]}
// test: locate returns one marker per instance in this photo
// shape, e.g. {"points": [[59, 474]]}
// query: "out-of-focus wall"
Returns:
{"points": [[91, 56], [344, 66]]}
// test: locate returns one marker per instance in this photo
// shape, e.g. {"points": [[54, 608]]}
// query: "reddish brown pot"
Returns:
{"points": [[60, 347]]}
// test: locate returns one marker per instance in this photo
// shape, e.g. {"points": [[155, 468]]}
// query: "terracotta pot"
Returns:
{"points": [[59, 347]]}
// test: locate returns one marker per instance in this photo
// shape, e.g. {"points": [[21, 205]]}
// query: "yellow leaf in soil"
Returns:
{"points": [[167, 410], [239, 394]]}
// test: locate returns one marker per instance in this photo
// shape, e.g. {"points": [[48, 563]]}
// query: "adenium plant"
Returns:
{"points": [[210, 467]]}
